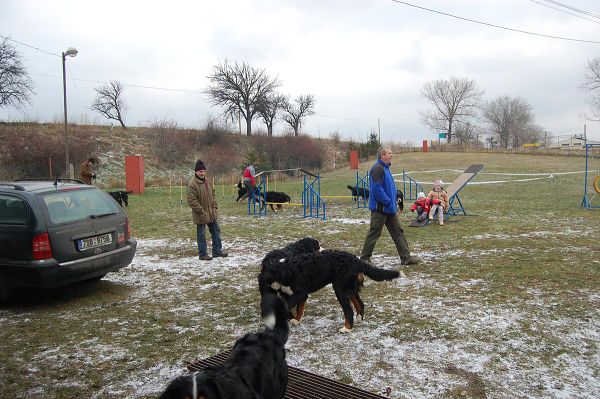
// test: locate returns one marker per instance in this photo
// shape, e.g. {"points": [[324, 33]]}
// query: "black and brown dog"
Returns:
{"points": [[305, 245], [358, 192], [256, 367], [298, 276], [273, 197], [400, 199], [242, 190], [122, 197]]}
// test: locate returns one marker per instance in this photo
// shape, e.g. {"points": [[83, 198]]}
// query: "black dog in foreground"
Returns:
{"points": [[359, 192], [300, 275], [122, 197], [256, 367]]}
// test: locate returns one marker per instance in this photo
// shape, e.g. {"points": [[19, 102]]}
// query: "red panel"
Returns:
{"points": [[425, 147], [353, 159], [134, 173]]}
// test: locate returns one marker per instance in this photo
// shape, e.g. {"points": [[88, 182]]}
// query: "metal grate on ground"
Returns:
{"points": [[301, 384]]}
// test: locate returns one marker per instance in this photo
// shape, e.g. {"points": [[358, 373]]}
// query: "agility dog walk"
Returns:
{"points": [[298, 276], [256, 367]]}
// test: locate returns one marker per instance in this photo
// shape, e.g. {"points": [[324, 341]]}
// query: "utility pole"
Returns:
{"points": [[379, 131]]}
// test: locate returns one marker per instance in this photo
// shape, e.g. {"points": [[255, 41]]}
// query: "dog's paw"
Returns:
{"points": [[358, 318], [294, 322], [345, 330], [402, 275]]}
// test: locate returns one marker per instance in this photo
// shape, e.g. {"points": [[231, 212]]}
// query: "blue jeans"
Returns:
{"points": [[215, 233]]}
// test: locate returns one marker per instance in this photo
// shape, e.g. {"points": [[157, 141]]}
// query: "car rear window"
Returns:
{"points": [[73, 205], [12, 210]]}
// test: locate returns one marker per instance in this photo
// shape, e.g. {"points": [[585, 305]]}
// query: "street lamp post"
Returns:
{"points": [[71, 52]]}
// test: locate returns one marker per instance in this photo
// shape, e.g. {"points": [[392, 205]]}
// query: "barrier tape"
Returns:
{"points": [[492, 173], [491, 181]]}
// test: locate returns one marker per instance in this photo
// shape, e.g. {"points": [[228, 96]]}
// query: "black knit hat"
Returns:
{"points": [[199, 166]]}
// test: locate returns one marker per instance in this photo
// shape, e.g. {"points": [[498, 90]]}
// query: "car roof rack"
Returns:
{"points": [[55, 180], [15, 186]]}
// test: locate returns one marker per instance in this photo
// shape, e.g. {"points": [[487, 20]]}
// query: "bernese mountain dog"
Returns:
{"points": [[256, 367], [303, 246], [122, 197], [300, 275], [359, 192], [273, 198]]}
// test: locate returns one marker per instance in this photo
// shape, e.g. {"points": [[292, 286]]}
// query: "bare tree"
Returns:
{"points": [[534, 134], [240, 88], [592, 85], [16, 87], [269, 109], [454, 101], [508, 118], [467, 133], [110, 102], [294, 113]]}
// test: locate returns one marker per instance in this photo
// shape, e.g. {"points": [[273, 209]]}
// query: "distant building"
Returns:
{"points": [[569, 142]]}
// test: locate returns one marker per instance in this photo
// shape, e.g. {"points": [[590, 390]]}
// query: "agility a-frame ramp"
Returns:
{"points": [[455, 206]]}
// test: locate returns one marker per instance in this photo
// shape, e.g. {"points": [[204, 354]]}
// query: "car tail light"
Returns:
{"points": [[40, 247]]}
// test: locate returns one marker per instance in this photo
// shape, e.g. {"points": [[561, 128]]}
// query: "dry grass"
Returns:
{"points": [[505, 303]]}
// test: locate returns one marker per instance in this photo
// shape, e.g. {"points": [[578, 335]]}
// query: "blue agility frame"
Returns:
{"points": [[314, 206], [585, 202], [407, 180], [362, 182], [254, 199]]}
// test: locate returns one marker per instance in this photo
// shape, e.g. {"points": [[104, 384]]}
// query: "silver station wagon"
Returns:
{"points": [[58, 232]]}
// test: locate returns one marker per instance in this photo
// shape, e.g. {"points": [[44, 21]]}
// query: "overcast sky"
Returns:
{"points": [[363, 60]]}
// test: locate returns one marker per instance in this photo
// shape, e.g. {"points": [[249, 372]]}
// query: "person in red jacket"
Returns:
{"points": [[249, 181], [421, 206]]}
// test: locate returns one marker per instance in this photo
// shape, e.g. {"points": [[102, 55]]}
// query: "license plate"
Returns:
{"points": [[94, 242]]}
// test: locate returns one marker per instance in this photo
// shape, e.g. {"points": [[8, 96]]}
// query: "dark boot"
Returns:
{"points": [[409, 260]]}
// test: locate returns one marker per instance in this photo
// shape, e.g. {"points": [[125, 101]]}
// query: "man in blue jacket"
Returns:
{"points": [[384, 209]]}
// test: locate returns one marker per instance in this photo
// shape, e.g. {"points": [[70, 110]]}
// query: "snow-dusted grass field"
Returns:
{"points": [[504, 305]]}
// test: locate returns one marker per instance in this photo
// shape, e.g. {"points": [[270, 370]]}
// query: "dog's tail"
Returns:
{"points": [[275, 316], [377, 274], [350, 187]]}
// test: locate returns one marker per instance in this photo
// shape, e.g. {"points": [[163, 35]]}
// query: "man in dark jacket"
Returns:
{"points": [[86, 174], [201, 198], [384, 209]]}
